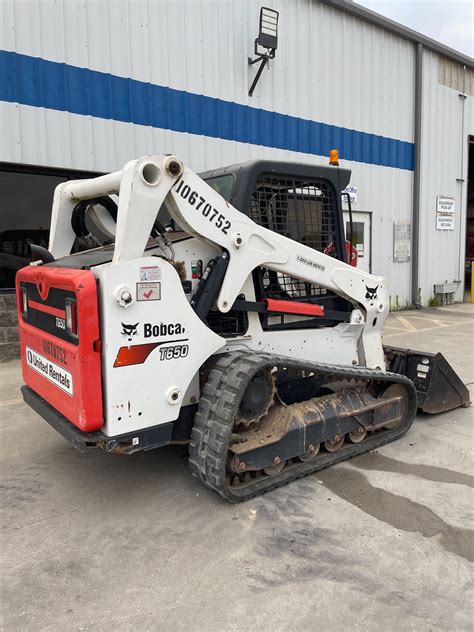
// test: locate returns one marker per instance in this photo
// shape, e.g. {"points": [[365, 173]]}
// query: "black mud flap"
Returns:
{"points": [[437, 385]]}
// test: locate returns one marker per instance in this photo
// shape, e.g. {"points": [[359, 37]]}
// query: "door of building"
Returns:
{"points": [[25, 212], [361, 237]]}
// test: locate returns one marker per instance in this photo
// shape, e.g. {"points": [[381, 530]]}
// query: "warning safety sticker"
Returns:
{"points": [[150, 273]]}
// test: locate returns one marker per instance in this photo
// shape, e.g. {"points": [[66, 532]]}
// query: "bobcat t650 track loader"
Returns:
{"points": [[224, 312]]}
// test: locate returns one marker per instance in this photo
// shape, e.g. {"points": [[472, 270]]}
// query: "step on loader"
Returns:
{"points": [[225, 311]]}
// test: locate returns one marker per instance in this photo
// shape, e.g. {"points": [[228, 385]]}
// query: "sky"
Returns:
{"points": [[451, 22]]}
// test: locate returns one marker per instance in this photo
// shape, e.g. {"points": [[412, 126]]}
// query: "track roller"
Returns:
{"points": [[335, 444]]}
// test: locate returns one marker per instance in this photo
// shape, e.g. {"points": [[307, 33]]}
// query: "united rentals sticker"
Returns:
{"points": [[50, 370]]}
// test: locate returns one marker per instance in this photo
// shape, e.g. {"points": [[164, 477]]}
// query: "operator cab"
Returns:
{"points": [[299, 201]]}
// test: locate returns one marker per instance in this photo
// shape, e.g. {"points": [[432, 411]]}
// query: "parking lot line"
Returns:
{"points": [[406, 323], [11, 402]]}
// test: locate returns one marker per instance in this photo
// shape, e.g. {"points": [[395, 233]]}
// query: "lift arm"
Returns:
{"points": [[147, 183]]}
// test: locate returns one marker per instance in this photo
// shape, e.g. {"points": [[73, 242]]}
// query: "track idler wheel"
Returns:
{"points": [[395, 390]]}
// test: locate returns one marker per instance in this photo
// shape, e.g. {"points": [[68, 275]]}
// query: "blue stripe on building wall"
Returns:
{"points": [[47, 84]]}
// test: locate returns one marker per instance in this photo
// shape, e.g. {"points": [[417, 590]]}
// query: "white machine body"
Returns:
{"points": [[153, 343]]}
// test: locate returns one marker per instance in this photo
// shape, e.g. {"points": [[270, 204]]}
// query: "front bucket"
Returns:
{"points": [[437, 385]]}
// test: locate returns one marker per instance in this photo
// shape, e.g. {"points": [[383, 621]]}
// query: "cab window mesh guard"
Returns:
{"points": [[303, 210]]}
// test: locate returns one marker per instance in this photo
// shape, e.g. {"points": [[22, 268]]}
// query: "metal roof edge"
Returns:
{"points": [[398, 29]]}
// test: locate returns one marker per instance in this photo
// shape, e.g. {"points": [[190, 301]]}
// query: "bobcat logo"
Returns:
{"points": [[371, 293], [129, 331]]}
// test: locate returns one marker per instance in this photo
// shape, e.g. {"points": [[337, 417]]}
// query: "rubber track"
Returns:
{"points": [[219, 403]]}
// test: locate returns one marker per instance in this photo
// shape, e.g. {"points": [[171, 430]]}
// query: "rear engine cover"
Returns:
{"points": [[61, 367]]}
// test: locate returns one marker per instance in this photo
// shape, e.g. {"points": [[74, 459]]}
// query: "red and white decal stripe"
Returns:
{"points": [[137, 354]]}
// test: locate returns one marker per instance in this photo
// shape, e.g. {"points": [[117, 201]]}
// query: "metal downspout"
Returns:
{"points": [[461, 180], [417, 177]]}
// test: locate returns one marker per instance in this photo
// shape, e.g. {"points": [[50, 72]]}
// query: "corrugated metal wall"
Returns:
{"points": [[172, 76], [330, 68], [445, 132]]}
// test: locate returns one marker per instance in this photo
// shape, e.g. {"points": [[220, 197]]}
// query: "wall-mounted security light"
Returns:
{"points": [[267, 39]]}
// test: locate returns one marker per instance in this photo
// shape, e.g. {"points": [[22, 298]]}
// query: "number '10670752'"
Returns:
{"points": [[200, 204]]}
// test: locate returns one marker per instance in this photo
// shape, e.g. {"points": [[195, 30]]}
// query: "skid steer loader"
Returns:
{"points": [[225, 312]]}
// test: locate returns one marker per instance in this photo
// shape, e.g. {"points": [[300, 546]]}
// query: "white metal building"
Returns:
{"points": [[85, 86]]}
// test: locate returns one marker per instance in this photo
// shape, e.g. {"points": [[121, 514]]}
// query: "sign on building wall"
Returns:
{"points": [[352, 190], [401, 241], [445, 207]]}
